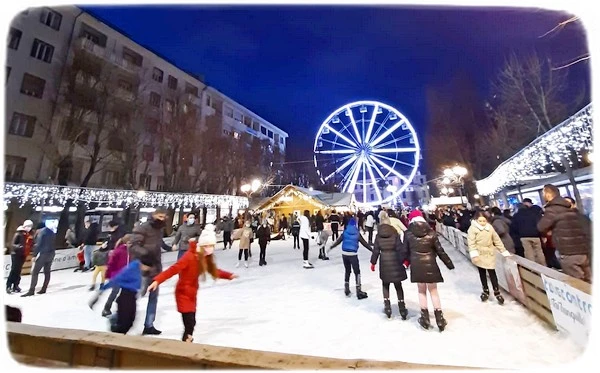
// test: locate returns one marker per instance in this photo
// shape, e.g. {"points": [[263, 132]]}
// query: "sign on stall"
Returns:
{"points": [[571, 309], [63, 259]]}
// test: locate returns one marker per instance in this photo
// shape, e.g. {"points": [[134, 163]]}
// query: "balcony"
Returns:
{"points": [[91, 47], [124, 64], [124, 95], [190, 97]]}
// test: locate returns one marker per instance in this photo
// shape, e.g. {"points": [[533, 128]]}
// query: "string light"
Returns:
{"points": [[574, 134], [55, 195]]}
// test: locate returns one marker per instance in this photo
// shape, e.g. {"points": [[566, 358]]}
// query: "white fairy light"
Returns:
{"points": [[575, 133]]}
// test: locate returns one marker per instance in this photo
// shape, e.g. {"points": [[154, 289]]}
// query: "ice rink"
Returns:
{"points": [[284, 308]]}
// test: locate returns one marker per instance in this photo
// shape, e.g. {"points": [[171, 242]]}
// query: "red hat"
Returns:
{"points": [[413, 214]]}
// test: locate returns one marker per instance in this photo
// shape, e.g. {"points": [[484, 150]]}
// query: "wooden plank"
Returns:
{"points": [[538, 295], [541, 312], [531, 277]]}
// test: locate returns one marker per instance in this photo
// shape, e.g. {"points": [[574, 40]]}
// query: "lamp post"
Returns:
{"points": [[250, 188], [454, 176]]}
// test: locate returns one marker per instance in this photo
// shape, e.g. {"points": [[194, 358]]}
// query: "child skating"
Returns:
{"points": [[246, 239], [194, 263], [424, 247], [117, 260], [322, 240], [99, 261]]}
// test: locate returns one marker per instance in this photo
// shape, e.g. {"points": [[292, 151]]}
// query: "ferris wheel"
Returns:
{"points": [[364, 145]]}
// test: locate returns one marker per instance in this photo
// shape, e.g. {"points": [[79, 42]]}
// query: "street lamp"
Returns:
{"points": [[446, 181], [455, 176], [444, 191], [250, 188]]}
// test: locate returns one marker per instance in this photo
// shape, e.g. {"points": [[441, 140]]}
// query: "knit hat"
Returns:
{"points": [[413, 214], [27, 223], [20, 228], [208, 238]]}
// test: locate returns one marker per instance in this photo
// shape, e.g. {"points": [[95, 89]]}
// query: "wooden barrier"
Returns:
{"points": [[54, 347], [530, 273]]}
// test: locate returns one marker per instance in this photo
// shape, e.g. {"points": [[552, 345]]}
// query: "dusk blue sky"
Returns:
{"points": [[295, 65]]}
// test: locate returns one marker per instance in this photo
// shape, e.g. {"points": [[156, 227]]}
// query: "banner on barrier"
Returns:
{"points": [[571, 309], [63, 259], [509, 278]]}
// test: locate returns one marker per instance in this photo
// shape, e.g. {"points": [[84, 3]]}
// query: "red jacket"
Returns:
{"points": [[186, 290]]}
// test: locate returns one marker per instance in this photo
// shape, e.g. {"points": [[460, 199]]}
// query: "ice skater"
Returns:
{"points": [[263, 234], [99, 261], [305, 233], [296, 233], [246, 239], [195, 262], [117, 260], [322, 241], [388, 245], [483, 242], [349, 240], [424, 247]]}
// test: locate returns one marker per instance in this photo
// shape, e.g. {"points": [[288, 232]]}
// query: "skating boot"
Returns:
{"points": [[106, 313], [28, 294], [8, 290], [320, 253], [485, 295], [237, 264], [499, 296], [43, 291], [16, 289], [424, 319], [440, 320], [246, 264], [92, 288], [402, 309], [151, 331], [387, 308], [360, 294], [347, 289], [307, 265]]}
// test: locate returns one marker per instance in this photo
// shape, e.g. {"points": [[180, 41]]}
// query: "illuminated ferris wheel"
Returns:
{"points": [[364, 145]]}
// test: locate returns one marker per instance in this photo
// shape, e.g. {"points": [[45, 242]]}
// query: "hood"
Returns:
{"points": [[500, 217], [559, 201], [386, 231], [419, 228]]}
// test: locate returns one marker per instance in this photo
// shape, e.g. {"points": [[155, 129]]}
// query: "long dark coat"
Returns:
{"points": [[389, 246], [424, 247]]}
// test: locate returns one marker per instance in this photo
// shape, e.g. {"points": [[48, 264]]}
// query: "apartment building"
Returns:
{"points": [[36, 108], [416, 194]]}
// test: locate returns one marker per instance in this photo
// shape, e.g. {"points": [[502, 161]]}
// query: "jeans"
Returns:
{"points": [[370, 230], [87, 255], [43, 261], [296, 241], [152, 303], [351, 265], [180, 253]]}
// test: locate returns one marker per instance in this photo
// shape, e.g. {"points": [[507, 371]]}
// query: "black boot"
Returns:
{"points": [[8, 290], [498, 296], [387, 308], [151, 331], [347, 289], [28, 294], [320, 253], [485, 295], [16, 289], [360, 294], [402, 309], [424, 319], [440, 320]]}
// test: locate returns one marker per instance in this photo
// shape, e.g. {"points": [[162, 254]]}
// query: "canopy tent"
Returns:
{"points": [[292, 199]]}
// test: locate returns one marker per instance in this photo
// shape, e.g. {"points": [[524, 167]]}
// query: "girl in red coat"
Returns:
{"points": [[194, 263]]}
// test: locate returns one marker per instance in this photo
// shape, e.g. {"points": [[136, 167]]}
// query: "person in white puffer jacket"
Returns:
{"points": [[305, 236]]}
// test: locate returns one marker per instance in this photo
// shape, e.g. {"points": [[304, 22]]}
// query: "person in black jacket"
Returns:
{"points": [[424, 247], [334, 219], [524, 224], [116, 233], [319, 223], [296, 233], [21, 246], [89, 238], [389, 247], [43, 255], [263, 233]]}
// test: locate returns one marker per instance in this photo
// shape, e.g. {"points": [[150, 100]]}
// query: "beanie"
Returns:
{"points": [[208, 238], [413, 214]]}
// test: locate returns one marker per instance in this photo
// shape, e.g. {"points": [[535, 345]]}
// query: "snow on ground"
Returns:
{"points": [[285, 308]]}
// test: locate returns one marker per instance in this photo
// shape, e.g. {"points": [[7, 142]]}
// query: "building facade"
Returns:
{"points": [[128, 85], [415, 195]]}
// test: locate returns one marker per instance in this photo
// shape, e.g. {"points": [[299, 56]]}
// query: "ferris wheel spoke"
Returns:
{"points": [[370, 128], [349, 112], [354, 179], [364, 188], [390, 169], [387, 133], [348, 176], [342, 167], [381, 126], [336, 151], [394, 150], [376, 169], [392, 141], [395, 160], [337, 144], [374, 182], [342, 136]]}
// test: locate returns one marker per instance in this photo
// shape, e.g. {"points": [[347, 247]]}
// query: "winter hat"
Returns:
{"points": [[208, 238], [384, 218], [27, 223], [20, 228], [413, 214]]}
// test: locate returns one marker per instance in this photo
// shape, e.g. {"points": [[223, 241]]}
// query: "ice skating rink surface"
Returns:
{"points": [[282, 307]]}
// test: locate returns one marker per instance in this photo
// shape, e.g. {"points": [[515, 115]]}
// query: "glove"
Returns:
{"points": [[506, 254], [406, 264], [373, 267], [474, 254]]}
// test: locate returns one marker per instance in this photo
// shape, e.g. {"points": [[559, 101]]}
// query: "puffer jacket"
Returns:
{"points": [[424, 247], [148, 240], [570, 233], [502, 227], [483, 242], [525, 222], [389, 246], [263, 233]]}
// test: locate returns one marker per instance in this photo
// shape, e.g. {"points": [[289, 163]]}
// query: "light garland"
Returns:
{"points": [[41, 194], [575, 133]]}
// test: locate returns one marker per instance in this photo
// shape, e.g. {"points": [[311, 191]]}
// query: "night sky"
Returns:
{"points": [[295, 65]]}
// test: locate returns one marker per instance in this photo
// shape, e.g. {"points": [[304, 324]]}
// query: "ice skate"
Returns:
{"points": [[246, 264], [237, 265], [92, 288], [485, 295], [387, 308], [347, 289], [151, 331], [16, 289], [28, 294], [8, 291], [106, 313], [440, 320], [424, 319], [320, 253], [402, 309], [499, 297], [360, 294], [307, 265]]}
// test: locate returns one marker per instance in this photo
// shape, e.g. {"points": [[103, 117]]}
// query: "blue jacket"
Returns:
{"points": [[350, 239], [129, 278], [44, 242]]}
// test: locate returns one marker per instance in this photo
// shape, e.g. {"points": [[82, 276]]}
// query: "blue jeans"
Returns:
{"points": [[87, 255], [180, 254], [152, 303]]}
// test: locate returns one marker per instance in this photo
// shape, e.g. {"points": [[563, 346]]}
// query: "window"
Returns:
{"points": [[145, 181], [191, 89], [248, 121], [208, 100], [115, 143], [152, 125], [157, 74], [160, 183], [132, 57], [148, 153], [154, 99], [228, 112], [236, 135], [169, 105], [13, 168], [42, 51], [226, 132], [33, 86], [14, 38], [237, 116], [165, 155], [263, 130], [276, 138], [281, 140], [124, 84], [270, 134], [172, 82], [256, 126], [51, 18], [112, 178], [94, 36], [22, 125]]}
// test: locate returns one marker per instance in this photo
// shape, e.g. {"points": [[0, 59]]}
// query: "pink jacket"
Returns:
{"points": [[117, 260]]}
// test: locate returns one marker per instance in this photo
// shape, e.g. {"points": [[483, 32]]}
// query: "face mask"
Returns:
{"points": [[156, 223], [191, 221]]}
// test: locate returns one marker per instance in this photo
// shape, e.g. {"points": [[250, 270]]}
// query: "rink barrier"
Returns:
{"points": [[533, 294], [53, 347]]}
